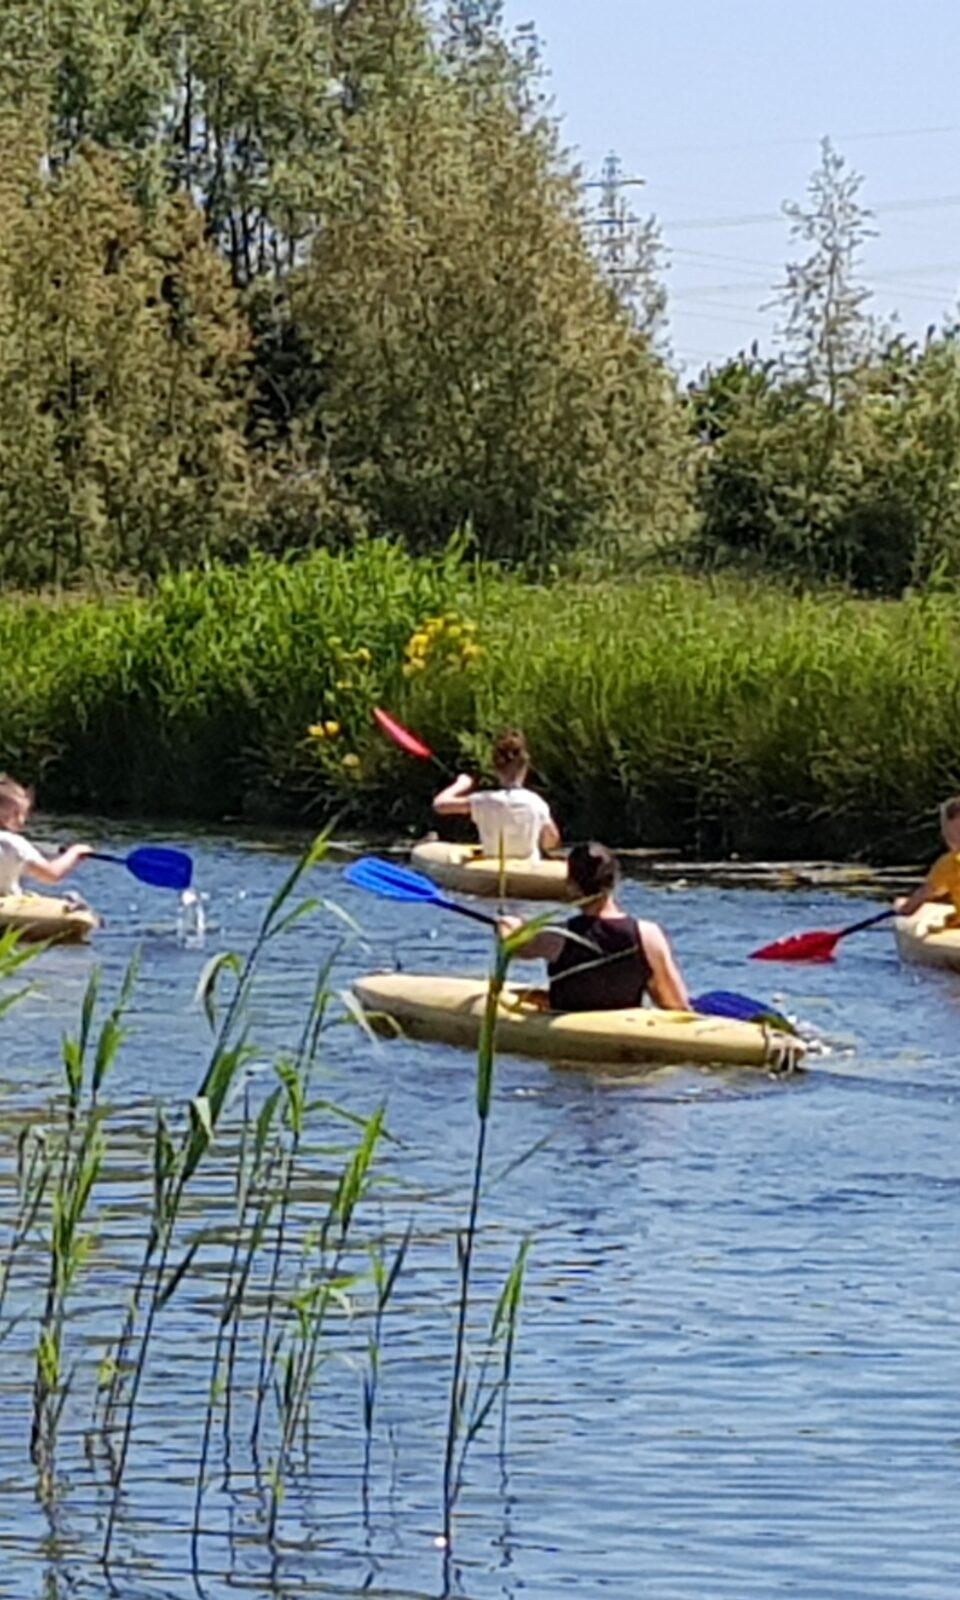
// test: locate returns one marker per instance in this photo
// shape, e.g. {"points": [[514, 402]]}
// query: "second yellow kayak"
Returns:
{"points": [[462, 868]]}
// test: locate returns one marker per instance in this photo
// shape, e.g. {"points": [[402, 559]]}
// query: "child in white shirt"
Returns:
{"points": [[17, 854]]}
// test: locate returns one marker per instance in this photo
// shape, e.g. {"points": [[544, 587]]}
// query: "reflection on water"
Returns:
{"points": [[738, 1356]]}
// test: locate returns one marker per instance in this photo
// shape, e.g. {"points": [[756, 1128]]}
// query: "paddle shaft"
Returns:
{"points": [[868, 922], [463, 911]]}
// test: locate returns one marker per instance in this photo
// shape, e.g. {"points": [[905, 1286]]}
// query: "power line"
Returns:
{"points": [[755, 218]]}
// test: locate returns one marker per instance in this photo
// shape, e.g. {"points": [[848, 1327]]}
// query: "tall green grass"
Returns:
{"points": [[274, 1233], [671, 710]]}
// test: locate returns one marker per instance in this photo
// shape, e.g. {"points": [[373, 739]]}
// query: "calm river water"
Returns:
{"points": [[738, 1365]]}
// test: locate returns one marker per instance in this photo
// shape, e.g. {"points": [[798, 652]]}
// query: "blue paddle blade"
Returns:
{"points": [[393, 883], [739, 1008], [163, 868]]}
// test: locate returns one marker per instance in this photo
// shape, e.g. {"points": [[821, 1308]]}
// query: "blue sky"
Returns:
{"points": [[720, 106]]}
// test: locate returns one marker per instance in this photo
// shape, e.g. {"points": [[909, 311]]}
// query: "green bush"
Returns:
{"points": [[710, 715]]}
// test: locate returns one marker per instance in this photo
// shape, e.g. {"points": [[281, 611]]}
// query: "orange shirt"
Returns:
{"points": [[943, 879]]}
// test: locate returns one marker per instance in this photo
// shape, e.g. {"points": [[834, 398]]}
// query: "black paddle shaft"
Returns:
{"points": [[464, 911], [868, 922]]}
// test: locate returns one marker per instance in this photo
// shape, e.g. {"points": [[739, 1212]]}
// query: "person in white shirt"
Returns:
{"points": [[512, 821], [17, 854]]}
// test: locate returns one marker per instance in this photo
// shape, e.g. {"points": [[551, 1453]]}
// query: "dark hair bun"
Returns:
{"points": [[510, 750], [592, 869]]}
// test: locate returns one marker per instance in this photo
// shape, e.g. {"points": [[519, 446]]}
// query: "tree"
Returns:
{"points": [[123, 377], [474, 364], [826, 334]]}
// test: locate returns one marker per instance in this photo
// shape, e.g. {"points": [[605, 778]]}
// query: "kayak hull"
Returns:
{"points": [[41, 916], [451, 1010], [923, 940], [463, 869]]}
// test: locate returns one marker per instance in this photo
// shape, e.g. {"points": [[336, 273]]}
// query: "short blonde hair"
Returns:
{"points": [[13, 796]]}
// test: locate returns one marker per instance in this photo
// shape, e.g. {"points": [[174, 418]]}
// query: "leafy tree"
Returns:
{"points": [[473, 363], [826, 333], [123, 373]]}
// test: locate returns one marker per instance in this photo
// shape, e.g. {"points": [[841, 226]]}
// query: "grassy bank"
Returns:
{"points": [[713, 716]]}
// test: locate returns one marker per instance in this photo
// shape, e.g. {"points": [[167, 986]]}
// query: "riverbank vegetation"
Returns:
{"points": [[292, 295], [717, 715]]}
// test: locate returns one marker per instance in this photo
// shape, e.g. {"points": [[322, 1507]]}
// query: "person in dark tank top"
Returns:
{"points": [[603, 959]]}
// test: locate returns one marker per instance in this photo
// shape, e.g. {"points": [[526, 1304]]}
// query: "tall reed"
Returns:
{"points": [[703, 713], [174, 1166]]}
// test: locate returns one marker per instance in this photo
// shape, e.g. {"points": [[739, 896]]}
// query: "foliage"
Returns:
{"points": [[123, 364], [717, 715], [879, 509], [279, 272]]}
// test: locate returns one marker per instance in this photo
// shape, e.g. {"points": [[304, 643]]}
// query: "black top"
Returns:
{"points": [[611, 976]]}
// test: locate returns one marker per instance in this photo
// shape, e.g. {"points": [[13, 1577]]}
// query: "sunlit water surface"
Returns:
{"points": [[738, 1369]]}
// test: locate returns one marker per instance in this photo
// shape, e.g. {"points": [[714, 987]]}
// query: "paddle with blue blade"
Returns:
{"points": [[154, 864], [740, 1008], [399, 883]]}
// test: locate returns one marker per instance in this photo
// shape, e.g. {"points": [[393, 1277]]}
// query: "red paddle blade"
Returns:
{"points": [[817, 946], [401, 736]]}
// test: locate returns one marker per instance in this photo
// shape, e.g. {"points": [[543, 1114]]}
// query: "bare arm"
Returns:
{"points": [[549, 835], [454, 800], [543, 946], [667, 988], [58, 866], [932, 888]]}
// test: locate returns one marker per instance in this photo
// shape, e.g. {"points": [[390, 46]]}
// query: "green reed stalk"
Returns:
{"points": [[467, 1239], [33, 1175], [310, 1305], [227, 1059], [78, 1167], [503, 1329], [295, 1080], [253, 1169], [384, 1282]]}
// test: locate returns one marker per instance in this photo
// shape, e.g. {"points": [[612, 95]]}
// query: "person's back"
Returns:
{"points": [[602, 959], [603, 967], [509, 821], [513, 821]]}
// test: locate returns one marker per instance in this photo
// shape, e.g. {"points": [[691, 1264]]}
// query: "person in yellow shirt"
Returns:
{"points": [[943, 880]]}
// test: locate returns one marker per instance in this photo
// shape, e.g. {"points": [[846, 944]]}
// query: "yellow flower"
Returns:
{"points": [[343, 684], [316, 730], [331, 729], [335, 644], [471, 651], [454, 631], [363, 656], [418, 644], [410, 667], [350, 762]]}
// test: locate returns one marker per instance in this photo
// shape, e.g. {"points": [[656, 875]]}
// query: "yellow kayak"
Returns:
{"points": [[451, 1010], [40, 916], [462, 868], [924, 940]]}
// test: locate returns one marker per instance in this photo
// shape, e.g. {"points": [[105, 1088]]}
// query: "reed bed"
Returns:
{"points": [[714, 715], [258, 1257]]}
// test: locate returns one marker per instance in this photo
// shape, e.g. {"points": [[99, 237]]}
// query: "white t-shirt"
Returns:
{"points": [[509, 822], [16, 852]]}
